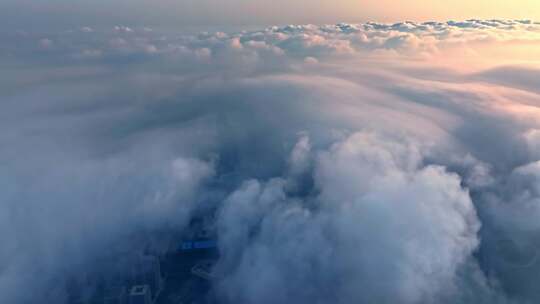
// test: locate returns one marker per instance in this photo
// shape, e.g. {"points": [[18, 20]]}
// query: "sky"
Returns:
{"points": [[376, 160], [171, 13]]}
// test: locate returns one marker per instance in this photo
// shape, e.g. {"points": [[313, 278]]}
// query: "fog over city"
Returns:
{"points": [[341, 163]]}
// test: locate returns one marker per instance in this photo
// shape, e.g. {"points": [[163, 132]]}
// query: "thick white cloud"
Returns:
{"points": [[381, 229]]}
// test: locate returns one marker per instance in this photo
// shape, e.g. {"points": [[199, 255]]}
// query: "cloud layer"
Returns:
{"points": [[345, 163]]}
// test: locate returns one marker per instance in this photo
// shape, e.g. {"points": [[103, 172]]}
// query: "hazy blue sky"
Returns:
{"points": [[62, 13]]}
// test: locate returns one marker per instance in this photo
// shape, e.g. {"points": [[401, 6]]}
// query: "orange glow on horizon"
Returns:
{"points": [[425, 10]]}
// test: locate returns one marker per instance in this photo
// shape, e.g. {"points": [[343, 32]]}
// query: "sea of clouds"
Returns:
{"points": [[348, 163]]}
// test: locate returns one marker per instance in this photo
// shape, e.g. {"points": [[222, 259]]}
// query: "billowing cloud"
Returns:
{"points": [[378, 221], [344, 163]]}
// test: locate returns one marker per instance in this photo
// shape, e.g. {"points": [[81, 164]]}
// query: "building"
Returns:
{"points": [[147, 271], [200, 244], [140, 294], [205, 270]]}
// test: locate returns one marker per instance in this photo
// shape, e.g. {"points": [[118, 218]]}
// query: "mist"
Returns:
{"points": [[348, 163]]}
